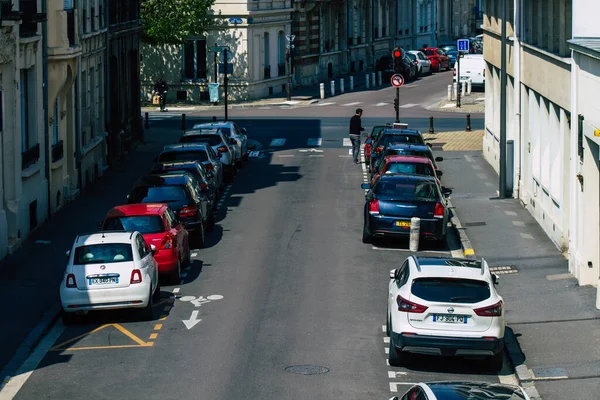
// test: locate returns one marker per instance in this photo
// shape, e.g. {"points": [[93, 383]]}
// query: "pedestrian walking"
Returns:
{"points": [[355, 130], [161, 88]]}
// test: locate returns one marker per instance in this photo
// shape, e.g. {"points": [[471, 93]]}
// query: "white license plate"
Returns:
{"points": [[449, 318], [103, 280]]}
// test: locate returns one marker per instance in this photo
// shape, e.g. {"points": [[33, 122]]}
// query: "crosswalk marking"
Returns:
{"points": [[327, 103], [277, 143], [314, 141], [381, 104], [347, 142], [354, 103], [408, 105]]}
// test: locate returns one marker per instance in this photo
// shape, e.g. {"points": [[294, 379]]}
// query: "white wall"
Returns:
{"points": [[585, 18]]}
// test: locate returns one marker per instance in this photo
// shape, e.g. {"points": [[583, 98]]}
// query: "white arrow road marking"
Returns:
{"points": [[394, 385], [394, 374], [327, 103], [311, 150], [190, 323], [409, 105]]}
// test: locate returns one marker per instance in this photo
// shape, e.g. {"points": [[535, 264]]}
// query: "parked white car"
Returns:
{"points": [[234, 131], [223, 145], [109, 270], [445, 306], [472, 66], [424, 66], [444, 390]]}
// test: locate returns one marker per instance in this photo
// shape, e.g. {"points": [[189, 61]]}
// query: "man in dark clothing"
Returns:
{"points": [[355, 130], [161, 88]]}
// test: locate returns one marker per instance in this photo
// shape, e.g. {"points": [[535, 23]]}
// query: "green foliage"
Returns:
{"points": [[173, 21]]}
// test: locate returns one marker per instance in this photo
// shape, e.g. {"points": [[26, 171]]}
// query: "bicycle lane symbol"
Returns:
{"points": [[200, 300]]}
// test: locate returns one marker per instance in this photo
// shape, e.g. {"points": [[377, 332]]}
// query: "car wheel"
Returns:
{"points": [[175, 277], [68, 318], [239, 164], [156, 295], [230, 174], [200, 236], [496, 361], [396, 358], [387, 326], [439, 68], [147, 312], [366, 236], [188, 255]]}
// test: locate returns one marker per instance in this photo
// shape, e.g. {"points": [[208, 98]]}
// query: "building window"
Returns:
{"points": [[350, 25], [281, 50], [84, 107], [267, 56], [93, 15], [29, 26], [376, 11], [93, 104], [56, 122], [101, 8], [28, 98], [194, 59], [84, 16]]}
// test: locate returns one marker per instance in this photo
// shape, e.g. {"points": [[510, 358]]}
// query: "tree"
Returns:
{"points": [[173, 21]]}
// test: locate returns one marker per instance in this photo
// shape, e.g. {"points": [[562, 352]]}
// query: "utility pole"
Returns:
{"points": [[225, 79], [216, 69], [397, 104], [458, 82], [290, 48], [502, 174]]}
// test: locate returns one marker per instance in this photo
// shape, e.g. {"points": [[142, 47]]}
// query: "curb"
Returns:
{"points": [[29, 344], [465, 243]]}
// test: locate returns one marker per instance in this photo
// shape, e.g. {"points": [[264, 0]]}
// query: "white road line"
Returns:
{"points": [[14, 384], [387, 350], [327, 103], [394, 385], [394, 374], [277, 142], [381, 104], [469, 158], [316, 155], [354, 103], [347, 142], [526, 236], [383, 328], [344, 155], [176, 290], [475, 166], [514, 214], [386, 339], [285, 155], [481, 175], [392, 249], [518, 223], [194, 254], [314, 141], [411, 105]]}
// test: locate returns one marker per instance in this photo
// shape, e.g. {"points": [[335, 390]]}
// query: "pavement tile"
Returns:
{"points": [[456, 140]]}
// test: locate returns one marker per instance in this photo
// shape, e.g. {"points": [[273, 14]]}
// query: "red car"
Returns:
{"points": [[159, 226], [369, 141], [408, 165], [439, 59]]}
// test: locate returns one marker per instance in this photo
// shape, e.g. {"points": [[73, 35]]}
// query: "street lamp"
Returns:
{"points": [[288, 56]]}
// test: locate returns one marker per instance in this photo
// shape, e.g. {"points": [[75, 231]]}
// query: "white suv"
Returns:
{"points": [[109, 270], [445, 306]]}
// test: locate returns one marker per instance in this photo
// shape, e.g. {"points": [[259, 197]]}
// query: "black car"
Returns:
{"points": [[207, 180], [394, 200], [386, 66], [183, 194]]}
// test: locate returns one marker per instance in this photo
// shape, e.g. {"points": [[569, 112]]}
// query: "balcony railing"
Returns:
{"points": [[31, 17], [57, 151], [7, 12], [30, 156], [71, 27], [268, 72]]}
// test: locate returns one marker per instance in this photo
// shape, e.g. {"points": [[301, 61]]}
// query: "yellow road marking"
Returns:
{"points": [[469, 252], [153, 335], [125, 346], [157, 327], [140, 342], [130, 335], [163, 317]]}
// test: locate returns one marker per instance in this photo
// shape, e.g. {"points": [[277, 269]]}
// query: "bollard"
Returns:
{"points": [[147, 119], [463, 88], [449, 92], [469, 86], [183, 128], [468, 129], [351, 83], [373, 79], [342, 85], [367, 81], [415, 231], [332, 87], [322, 90], [379, 81], [455, 89], [431, 125]]}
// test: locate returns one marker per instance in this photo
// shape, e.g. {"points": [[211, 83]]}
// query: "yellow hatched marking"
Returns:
{"points": [[153, 335], [157, 327]]}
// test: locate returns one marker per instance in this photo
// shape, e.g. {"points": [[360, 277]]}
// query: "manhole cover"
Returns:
{"points": [[307, 369], [504, 269]]}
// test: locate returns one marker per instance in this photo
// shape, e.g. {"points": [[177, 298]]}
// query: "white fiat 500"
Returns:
{"points": [[109, 270], [445, 306]]}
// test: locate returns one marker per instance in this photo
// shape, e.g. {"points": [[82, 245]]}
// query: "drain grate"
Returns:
{"points": [[504, 269], [475, 224], [307, 369], [549, 373]]}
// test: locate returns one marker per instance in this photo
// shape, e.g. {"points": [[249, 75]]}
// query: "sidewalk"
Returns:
{"points": [[29, 278], [553, 333]]}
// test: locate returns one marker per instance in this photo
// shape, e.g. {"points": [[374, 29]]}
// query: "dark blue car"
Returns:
{"points": [[408, 136], [394, 199]]}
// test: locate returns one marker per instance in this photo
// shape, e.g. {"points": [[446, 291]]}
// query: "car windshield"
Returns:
{"points": [[451, 290], [429, 52], [212, 140], [414, 139], [449, 47], [141, 223], [407, 152], [412, 56], [197, 155], [408, 190], [409, 168], [158, 194], [103, 253]]}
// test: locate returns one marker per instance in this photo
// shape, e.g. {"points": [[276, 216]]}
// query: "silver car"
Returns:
{"points": [[234, 131], [224, 146], [424, 65]]}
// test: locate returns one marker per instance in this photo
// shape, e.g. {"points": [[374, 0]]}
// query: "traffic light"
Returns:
{"points": [[397, 57]]}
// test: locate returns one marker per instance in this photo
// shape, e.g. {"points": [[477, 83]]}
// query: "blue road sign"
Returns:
{"points": [[463, 45], [235, 20], [222, 68]]}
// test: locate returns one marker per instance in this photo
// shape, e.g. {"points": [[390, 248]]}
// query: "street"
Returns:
{"points": [[285, 301]]}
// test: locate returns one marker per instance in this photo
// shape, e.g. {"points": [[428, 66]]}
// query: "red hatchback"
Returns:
{"points": [[439, 59], [159, 226], [407, 165], [369, 141]]}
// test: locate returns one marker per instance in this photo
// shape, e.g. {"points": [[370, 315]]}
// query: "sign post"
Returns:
{"points": [[225, 79], [290, 47], [397, 81], [463, 47]]}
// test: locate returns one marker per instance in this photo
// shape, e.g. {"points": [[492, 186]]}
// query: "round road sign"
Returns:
{"points": [[397, 80]]}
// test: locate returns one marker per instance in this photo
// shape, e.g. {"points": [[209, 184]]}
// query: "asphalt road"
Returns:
{"points": [[284, 281]]}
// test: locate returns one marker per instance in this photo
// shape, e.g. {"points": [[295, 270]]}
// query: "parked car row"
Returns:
{"points": [[415, 63], [436, 305], [149, 239]]}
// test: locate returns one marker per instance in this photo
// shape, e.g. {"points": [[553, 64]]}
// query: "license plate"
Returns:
{"points": [[449, 318], [103, 280], [464, 78], [404, 224]]}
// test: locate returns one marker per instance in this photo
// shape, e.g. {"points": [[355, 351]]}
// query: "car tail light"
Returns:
{"points": [[222, 149], [374, 207], [136, 276], [209, 167], [167, 242], [439, 210], [454, 72], [490, 311], [203, 186], [188, 211], [71, 283], [484, 72], [379, 149], [409, 306]]}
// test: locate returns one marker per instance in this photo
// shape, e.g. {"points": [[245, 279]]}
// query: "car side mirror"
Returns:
{"points": [[495, 279], [393, 274], [365, 186], [68, 254], [153, 249], [446, 192], [439, 159]]}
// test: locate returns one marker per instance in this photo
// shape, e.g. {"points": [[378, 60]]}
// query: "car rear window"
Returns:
{"points": [[407, 152], [212, 140], [413, 139], [103, 253], [141, 223], [410, 190], [409, 168], [158, 194], [450, 290], [197, 155]]}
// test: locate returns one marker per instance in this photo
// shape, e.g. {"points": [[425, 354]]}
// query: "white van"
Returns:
{"points": [[472, 66]]}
